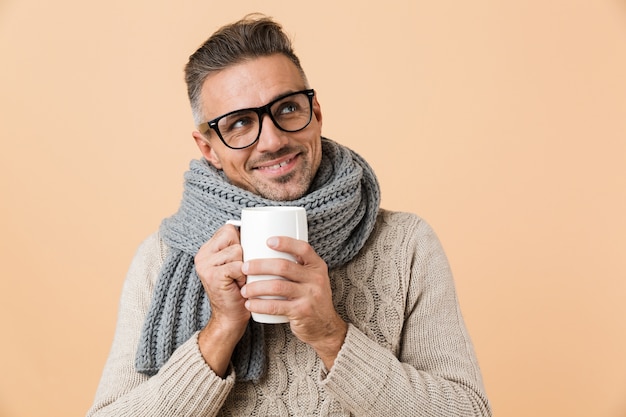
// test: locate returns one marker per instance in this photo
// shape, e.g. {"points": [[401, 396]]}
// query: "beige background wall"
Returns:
{"points": [[501, 123]]}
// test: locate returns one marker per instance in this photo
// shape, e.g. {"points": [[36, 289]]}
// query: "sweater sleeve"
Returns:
{"points": [[184, 386], [435, 372]]}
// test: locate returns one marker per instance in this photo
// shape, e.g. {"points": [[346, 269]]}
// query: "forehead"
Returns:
{"points": [[251, 83]]}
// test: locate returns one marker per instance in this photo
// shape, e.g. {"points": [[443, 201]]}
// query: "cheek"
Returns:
{"points": [[234, 165], [229, 160]]}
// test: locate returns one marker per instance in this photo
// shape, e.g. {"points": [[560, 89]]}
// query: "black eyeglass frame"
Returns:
{"points": [[260, 111]]}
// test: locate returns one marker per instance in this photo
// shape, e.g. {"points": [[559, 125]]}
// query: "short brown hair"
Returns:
{"points": [[253, 36]]}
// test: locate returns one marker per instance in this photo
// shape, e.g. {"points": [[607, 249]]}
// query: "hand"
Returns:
{"points": [[218, 265], [308, 298]]}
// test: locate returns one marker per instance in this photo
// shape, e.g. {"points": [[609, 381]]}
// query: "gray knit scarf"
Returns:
{"points": [[341, 205]]}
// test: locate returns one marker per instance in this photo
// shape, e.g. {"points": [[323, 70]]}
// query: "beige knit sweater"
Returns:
{"points": [[407, 351]]}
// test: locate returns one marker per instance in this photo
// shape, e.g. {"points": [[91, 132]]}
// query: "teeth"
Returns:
{"points": [[282, 164]]}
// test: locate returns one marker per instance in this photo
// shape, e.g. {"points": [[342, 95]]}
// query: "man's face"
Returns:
{"points": [[281, 165]]}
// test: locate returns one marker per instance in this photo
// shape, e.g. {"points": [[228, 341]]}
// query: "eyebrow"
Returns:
{"points": [[285, 93], [275, 97]]}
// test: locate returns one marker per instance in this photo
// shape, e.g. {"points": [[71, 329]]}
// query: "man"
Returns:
{"points": [[374, 323]]}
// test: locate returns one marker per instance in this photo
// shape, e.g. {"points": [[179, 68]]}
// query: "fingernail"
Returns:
{"points": [[243, 291], [272, 242], [244, 268]]}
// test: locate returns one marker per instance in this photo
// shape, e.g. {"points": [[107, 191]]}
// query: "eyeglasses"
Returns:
{"points": [[240, 129]]}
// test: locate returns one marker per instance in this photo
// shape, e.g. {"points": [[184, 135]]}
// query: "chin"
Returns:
{"points": [[283, 190], [283, 194]]}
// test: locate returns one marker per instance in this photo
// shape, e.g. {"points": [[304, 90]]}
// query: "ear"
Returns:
{"points": [[317, 110], [206, 149]]}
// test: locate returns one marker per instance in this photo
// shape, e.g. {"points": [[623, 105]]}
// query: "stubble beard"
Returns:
{"points": [[288, 187], [292, 185]]}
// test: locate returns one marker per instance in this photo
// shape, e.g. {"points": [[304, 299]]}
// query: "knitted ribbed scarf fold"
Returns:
{"points": [[341, 205]]}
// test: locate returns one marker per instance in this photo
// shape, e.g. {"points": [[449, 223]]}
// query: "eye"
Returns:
{"points": [[287, 108], [242, 122], [237, 122]]}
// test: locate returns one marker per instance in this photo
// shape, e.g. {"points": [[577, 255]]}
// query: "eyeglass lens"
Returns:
{"points": [[242, 128]]}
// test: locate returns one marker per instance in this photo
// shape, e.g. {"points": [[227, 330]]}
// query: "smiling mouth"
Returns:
{"points": [[276, 166]]}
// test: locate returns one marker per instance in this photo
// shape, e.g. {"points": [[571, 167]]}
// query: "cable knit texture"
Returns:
{"points": [[341, 205], [407, 351]]}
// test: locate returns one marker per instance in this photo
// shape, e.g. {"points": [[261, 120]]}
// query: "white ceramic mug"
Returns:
{"points": [[258, 224]]}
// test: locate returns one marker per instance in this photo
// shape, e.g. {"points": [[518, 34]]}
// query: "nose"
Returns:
{"points": [[271, 138]]}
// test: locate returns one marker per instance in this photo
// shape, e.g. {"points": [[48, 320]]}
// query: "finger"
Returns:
{"points": [[231, 271], [270, 288], [268, 306], [223, 247], [300, 249], [225, 236], [285, 268], [233, 253]]}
